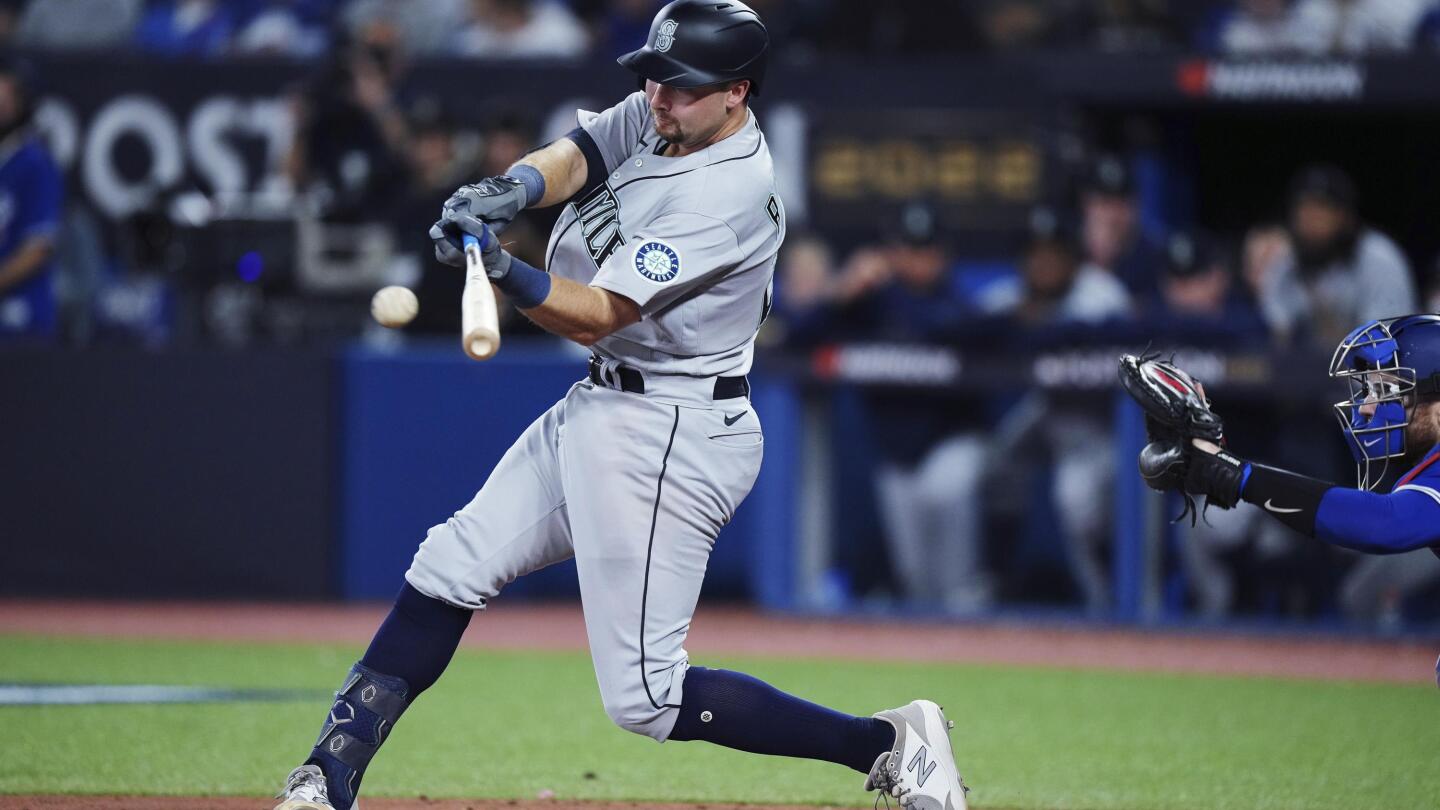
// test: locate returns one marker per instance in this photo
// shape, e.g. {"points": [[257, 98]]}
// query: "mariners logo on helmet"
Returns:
{"points": [[657, 261], [665, 37]]}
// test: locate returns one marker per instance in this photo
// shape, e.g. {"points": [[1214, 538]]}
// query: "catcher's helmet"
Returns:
{"points": [[1390, 365], [694, 43]]}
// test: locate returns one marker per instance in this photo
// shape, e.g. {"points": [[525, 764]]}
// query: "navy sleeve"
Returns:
{"points": [[594, 161], [1404, 520]]}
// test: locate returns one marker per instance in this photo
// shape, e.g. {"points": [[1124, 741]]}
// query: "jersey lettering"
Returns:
{"points": [[599, 213]]}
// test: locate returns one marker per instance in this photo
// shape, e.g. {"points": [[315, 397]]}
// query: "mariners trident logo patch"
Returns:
{"points": [[657, 261], [665, 37]]}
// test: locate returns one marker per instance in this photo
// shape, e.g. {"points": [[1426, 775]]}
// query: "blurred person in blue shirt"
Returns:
{"points": [[31, 193], [294, 28], [186, 28]]}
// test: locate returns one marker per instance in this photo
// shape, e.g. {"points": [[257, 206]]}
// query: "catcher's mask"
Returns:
{"points": [[1389, 365]]}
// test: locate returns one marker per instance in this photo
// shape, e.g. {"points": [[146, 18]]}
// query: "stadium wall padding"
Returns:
{"points": [[177, 475], [281, 474]]}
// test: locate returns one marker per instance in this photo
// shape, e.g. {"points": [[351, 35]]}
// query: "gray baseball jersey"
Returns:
{"points": [[636, 486], [692, 240]]}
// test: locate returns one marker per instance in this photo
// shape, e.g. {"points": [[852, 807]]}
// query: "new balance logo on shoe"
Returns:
{"points": [[921, 761]]}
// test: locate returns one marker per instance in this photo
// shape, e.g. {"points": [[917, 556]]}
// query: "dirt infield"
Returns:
{"points": [[421, 803], [742, 632]]}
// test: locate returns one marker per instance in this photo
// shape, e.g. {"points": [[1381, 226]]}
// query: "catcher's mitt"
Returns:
{"points": [[1174, 402], [1176, 411]]}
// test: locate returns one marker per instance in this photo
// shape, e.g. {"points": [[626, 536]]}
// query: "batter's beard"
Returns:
{"points": [[675, 135]]}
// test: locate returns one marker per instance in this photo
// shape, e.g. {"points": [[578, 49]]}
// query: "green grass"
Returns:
{"points": [[512, 724]]}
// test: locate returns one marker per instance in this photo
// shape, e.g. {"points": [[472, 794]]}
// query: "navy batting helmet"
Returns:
{"points": [[1390, 365], [694, 43]]}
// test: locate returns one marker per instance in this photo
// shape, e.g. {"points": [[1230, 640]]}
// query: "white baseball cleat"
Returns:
{"points": [[919, 769], [305, 790]]}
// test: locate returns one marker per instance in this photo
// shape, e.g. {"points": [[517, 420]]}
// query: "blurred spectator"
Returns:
{"points": [[1131, 25], [1264, 246], [421, 27], [1054, 287], [805, 289], [436, 169], [76, 25], [1432, 288], [1318, 27], [928, 480], [1199, 299], [1018, 24], [295, 28], [507, 140], [1339, 272], [619, 26], [1356, 27], [10, 11], [1427, 30], [349, 149], [185, 28], [521, 29], [1059, 293], [30, 207], [1375, 589], [913, 27], [1260, 27], [1113, 239]]}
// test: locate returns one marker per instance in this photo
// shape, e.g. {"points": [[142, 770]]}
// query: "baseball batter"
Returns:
{"points": [[661, 263]]}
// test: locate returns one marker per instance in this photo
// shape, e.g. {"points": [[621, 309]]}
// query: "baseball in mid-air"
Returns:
{"points": [[394, 306]]}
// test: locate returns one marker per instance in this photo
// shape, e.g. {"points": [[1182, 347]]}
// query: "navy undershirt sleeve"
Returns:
{"points": [[594, 162]]}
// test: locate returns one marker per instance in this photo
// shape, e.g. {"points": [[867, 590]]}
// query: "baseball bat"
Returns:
{"points": [[480, 324]]}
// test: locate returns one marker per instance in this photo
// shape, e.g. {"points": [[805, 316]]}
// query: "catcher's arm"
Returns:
{"points": [[1405, 519]]}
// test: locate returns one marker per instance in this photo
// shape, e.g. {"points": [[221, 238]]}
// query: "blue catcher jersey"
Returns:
{"points": [[1406, 519]]}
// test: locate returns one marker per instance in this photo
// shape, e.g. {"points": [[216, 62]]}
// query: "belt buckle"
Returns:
{"points": [[605, 373]]}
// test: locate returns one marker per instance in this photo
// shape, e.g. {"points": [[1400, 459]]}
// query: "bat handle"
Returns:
{"points": [[472, 250]]}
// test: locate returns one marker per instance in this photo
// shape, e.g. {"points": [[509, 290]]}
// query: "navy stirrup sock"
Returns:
{"points": [[417, 639], [407, 655], [737, 711]]}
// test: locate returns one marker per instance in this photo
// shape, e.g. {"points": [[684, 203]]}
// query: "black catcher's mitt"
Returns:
{"points": [[1176, 411]]}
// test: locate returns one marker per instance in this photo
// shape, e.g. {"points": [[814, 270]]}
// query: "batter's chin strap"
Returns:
{"points": [[1290, 498]]}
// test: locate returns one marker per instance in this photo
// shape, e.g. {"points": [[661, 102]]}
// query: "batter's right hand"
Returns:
{"points": [[448, 236]]}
